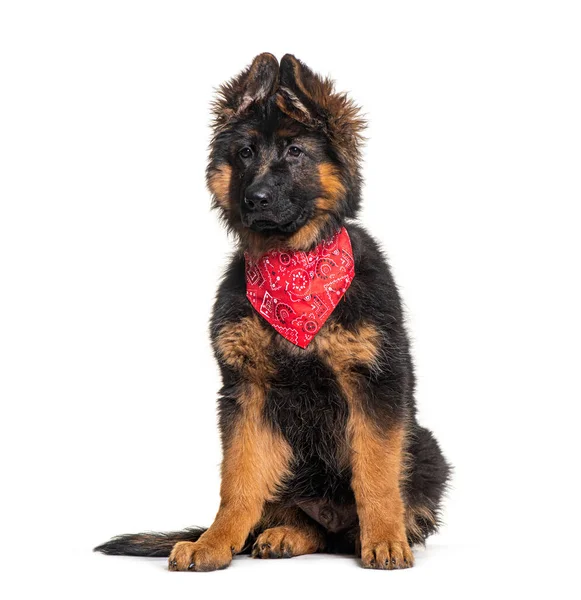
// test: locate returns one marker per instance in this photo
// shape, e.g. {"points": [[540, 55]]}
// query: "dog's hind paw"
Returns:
{"points": [[285, 542]]}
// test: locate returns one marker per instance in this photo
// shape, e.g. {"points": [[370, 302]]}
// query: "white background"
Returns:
{"points": [[110, 256]]}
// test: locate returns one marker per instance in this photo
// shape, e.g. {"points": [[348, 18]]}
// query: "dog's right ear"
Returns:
{"points": [[254, 84]]}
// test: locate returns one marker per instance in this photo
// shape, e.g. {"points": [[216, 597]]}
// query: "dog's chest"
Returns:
{"points": [[305, 389], [304, 401], [306, 395]]}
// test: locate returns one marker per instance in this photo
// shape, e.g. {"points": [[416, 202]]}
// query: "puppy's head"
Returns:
{"points": [[284, 163]]}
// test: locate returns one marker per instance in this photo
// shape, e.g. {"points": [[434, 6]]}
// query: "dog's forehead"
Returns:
{"points": [[270, 125]]}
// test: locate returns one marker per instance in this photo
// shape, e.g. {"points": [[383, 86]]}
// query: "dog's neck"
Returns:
{"points": [[297, 291], [319, 228]]}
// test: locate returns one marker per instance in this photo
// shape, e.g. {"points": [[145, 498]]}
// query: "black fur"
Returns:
{"points": [[305, 402], [148, 544]]}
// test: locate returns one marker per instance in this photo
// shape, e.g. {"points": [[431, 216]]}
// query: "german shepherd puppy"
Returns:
{"points": [[321, 447]]}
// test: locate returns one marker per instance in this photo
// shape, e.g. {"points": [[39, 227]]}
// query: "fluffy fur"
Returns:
{"points": [[322, 449]]}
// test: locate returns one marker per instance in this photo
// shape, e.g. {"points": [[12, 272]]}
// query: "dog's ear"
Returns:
{"points": [[260, 81], [256, 83], [312, 100], [302, 94]]}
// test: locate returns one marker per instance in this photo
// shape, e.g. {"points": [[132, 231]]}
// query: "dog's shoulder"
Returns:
{"points": [[231, 304], [373, 293]]}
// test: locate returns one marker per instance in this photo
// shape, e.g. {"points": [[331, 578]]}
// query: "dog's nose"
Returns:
{"points": [[257, 198]]}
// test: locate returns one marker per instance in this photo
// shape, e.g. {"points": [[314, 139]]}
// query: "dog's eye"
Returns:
{"points": [[246, 152], [294, 151]]}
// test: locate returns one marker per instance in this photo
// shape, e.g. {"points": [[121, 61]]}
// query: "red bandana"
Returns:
{"points": [[297, 291]]}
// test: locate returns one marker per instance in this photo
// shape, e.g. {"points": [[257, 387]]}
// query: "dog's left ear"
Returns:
{"points": [[302, 94], [312, 100]]}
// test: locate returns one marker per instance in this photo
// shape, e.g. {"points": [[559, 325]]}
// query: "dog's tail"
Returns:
{"points": [[148, 544]]}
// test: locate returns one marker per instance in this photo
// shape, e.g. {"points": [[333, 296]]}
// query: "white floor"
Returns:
{"points": [[440, 571]]}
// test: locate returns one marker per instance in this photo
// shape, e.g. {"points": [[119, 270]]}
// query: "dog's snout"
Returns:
{"points": [[257, 198]]}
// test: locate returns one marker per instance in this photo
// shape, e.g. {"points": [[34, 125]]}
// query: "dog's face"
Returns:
{"points": [[284, 161], [278, 168]]}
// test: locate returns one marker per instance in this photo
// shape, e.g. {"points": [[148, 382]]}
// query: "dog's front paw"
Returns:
{"points": [[387, 555], [199, 556]]}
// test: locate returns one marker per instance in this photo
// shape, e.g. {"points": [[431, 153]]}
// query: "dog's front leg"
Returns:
{"points": [[256, 459], [377, 459]]}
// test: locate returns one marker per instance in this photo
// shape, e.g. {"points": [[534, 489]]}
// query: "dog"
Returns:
{"points": [[322, 451]]}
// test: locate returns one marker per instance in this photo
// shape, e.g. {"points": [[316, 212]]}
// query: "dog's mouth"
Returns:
{"points": [[276, 225], [264, 224]]}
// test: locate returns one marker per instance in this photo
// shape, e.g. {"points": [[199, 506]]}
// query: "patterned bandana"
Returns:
{"points": [[297, 291]]}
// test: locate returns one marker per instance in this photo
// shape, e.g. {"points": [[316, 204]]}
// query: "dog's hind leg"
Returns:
{"points": [[424, 485], [287, 532]]}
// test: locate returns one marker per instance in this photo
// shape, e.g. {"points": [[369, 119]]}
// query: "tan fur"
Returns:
{"points": [[343, 349], [245, 346], [303, 239], [290, 105], [288, 540], [256, 461], [377, 458], [219, 185], [288, 132], [307, 236], [333, 188], [286, 531], [416, 514]]}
